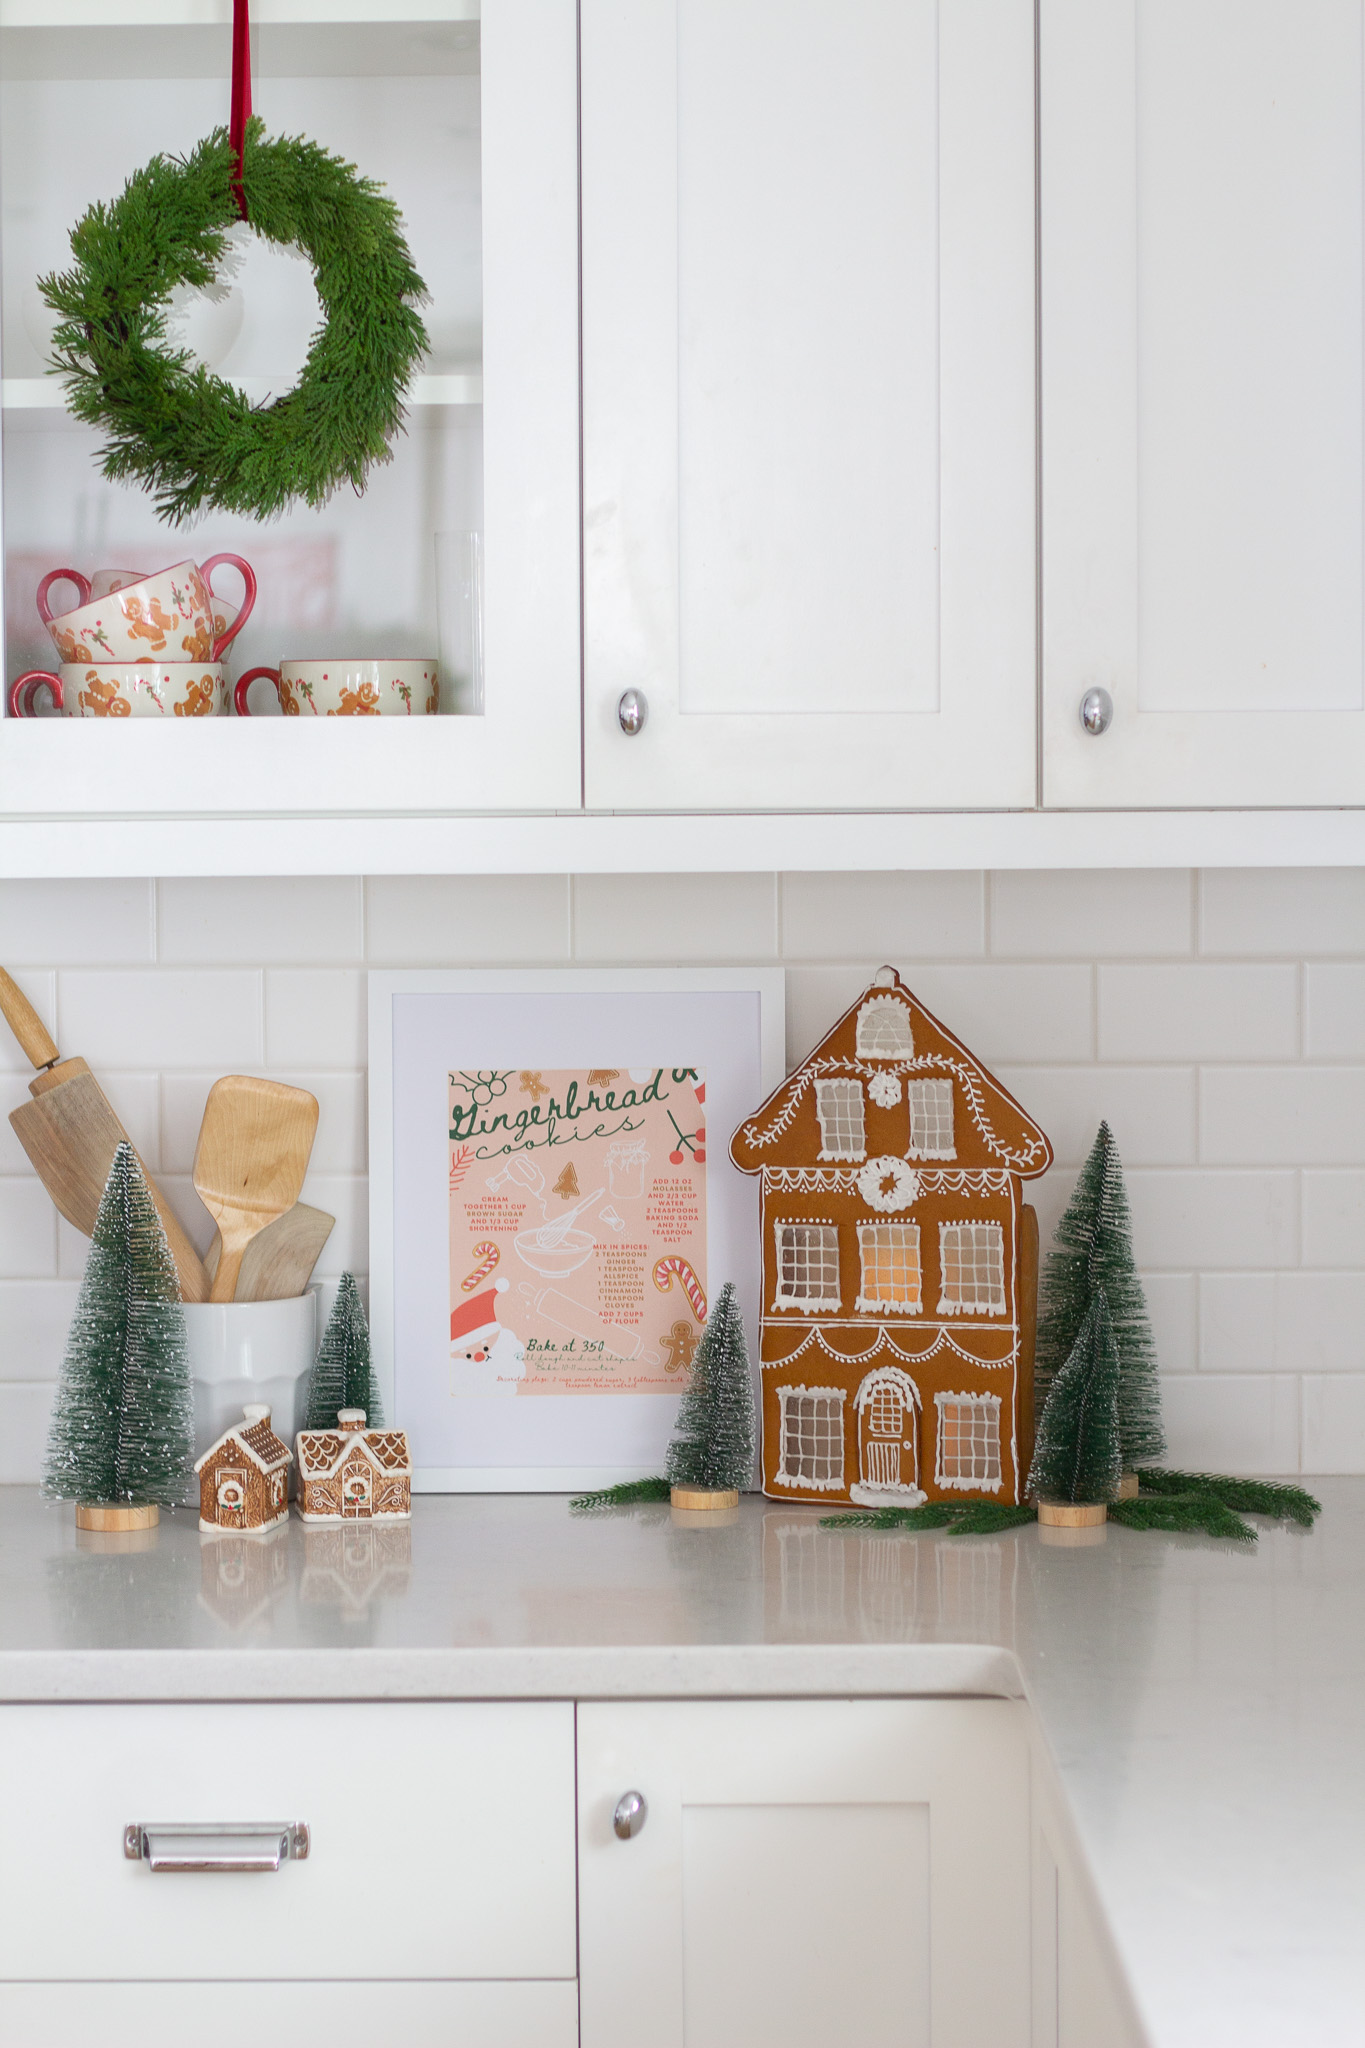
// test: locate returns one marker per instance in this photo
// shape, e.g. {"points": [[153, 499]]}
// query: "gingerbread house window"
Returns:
{"points": [[972, 1269], [967, 1452], [884, 1029], [890, 1268], [811, 1447], [807, 1266], [931, 1120], [839, 1105]]}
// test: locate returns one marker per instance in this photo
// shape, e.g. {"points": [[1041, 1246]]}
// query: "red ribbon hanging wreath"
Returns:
{"points": [[241, 95]]}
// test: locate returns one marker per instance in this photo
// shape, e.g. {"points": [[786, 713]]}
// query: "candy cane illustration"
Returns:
{"points": [[664, 1272], [487, 1255]]}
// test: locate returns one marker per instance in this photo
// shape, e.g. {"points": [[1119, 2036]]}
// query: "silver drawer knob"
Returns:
{"points": [[631, 712], [1097, 711], [629, 1817]]}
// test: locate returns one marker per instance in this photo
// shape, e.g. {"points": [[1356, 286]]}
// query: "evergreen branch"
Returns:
{"points": [[1246, 1496], [989, 1517], [959, 1518], [1182, 1512], [626, 1495]]}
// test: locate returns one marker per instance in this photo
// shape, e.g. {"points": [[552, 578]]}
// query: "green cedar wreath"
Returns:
{"points": [[192, 439]]}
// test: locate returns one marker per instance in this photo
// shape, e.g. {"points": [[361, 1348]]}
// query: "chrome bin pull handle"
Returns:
{"points": [[235, 1845]]}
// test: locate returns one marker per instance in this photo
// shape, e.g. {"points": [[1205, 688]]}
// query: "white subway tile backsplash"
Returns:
{"points": [[24, 1415], [1150, 1110], [40, 986], [1334, 1218], [1292, 912], [674, 917], [315, 1018], [1334, 1423], [259, 920], [87, 923], [896, 918], [1281, 1116], [1239, 1121], [1092, 913], [1334, 1008], [466, 920], [1227, 1423], [188, 1017], [1198, 1013], [1193, 1220], [35, 1316]]}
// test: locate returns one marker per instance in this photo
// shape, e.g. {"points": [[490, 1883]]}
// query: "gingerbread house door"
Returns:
{"points": [[357, 1489], [231, 1492], [888, 1432]]}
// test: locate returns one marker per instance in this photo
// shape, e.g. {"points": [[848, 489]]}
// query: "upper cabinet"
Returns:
{"points": [[809, 403], [464, 546], [1203, 462]]}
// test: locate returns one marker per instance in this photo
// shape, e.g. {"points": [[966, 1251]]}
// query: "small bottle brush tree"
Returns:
{"points": [[342, 1375], [123, 1425], [1077, 1454], [715, 1434], [1093, 1248]]}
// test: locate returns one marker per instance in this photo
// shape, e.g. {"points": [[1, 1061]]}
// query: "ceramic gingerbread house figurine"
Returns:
{"points": [[244, 1477], [354, 1473], [900, 1266]]}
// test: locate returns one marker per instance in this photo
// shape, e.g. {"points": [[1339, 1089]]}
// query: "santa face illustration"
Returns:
{"points": [[486, 1357]]}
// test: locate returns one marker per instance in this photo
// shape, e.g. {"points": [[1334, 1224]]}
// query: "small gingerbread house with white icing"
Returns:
{"points": [[900, 1266], [244, 1477], [354, 1473]]}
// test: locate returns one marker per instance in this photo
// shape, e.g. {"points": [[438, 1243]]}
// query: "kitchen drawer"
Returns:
{"points": [[214, 2016], [442, 1841]]}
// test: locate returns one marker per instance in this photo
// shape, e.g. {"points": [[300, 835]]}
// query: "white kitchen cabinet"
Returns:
{"points": [[1079, 1997], [808, 1872], [468, 111], [1203, 461], [808, 403]]}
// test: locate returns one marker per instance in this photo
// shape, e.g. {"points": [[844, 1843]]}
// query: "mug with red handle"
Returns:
{"points": [[171, 616]]}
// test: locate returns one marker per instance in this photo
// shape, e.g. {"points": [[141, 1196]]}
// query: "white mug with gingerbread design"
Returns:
{"points": [[125, 689], [170, 617], [348, 689]]}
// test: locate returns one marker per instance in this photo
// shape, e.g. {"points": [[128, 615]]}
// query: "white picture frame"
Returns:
{"points": [[425, 1021]]}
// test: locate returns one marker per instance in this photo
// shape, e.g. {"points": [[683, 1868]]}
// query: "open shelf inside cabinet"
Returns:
{"points": [[89, 91]]}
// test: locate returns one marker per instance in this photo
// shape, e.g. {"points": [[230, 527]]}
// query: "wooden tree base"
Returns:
{"points": [[1073, 1539], [1128, 1486], [701, 1498], [117, 1515], [1072, 1514]]}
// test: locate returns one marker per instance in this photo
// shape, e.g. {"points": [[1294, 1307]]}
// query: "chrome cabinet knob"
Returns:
{"points": [[631, 712], [1097, 711], [629, 1817]]}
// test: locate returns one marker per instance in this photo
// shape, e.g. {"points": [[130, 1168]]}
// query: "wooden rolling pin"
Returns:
{"points": [[71, 1134]]}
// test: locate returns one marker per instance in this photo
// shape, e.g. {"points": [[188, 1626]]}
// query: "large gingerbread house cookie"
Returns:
{"points": [[900, 1266]]}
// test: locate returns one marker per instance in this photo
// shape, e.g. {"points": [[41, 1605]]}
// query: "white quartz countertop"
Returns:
{"points": [[1204, 1705]]}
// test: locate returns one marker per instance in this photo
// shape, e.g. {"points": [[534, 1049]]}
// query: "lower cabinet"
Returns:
{"points": [[808, 1873], [1079, 1997]]}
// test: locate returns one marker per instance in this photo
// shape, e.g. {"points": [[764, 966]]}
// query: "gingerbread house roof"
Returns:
{"points": [[322, 1451], [259, 1443], [888, 1031]]}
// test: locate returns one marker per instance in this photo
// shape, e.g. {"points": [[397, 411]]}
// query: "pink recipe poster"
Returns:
{"points": [[577, 1229]]}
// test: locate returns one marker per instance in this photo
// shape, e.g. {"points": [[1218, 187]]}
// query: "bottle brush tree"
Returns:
{"points": [[1077, 1454], [342, 1374], [715, 1434], [123, 1423], [1093, 1249]]}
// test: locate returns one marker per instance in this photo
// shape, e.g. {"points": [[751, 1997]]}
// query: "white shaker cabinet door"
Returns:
{"points": [[1203, 467], [808, 1872], [808, 402]]}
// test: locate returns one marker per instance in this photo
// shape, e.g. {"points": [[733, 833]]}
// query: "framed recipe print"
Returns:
{"points": [[549, 1222]]}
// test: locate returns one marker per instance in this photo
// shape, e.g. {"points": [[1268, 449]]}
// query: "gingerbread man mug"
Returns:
{"points": [[348, 689], [171, 617]]}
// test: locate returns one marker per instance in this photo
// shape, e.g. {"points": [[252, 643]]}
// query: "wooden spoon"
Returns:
{"points": [[249, 1164], [280, 1259]]}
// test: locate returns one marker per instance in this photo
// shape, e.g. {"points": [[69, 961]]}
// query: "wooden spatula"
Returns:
{"points": [[280, 1259], [71, 1134], [249, 1164]]}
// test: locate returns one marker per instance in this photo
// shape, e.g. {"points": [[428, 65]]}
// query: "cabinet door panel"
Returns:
{"points": [[1202, 407], [808, 1871], [808, 401]]}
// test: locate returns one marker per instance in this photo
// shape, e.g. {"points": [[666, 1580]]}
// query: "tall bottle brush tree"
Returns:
{"points": [[123, 1424], [1077, 1454], [342, 1374], [1093, 1249], [715, 1435]]}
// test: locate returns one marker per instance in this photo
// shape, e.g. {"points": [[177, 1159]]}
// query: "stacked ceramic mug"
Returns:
{"points": [[139, 646]]}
